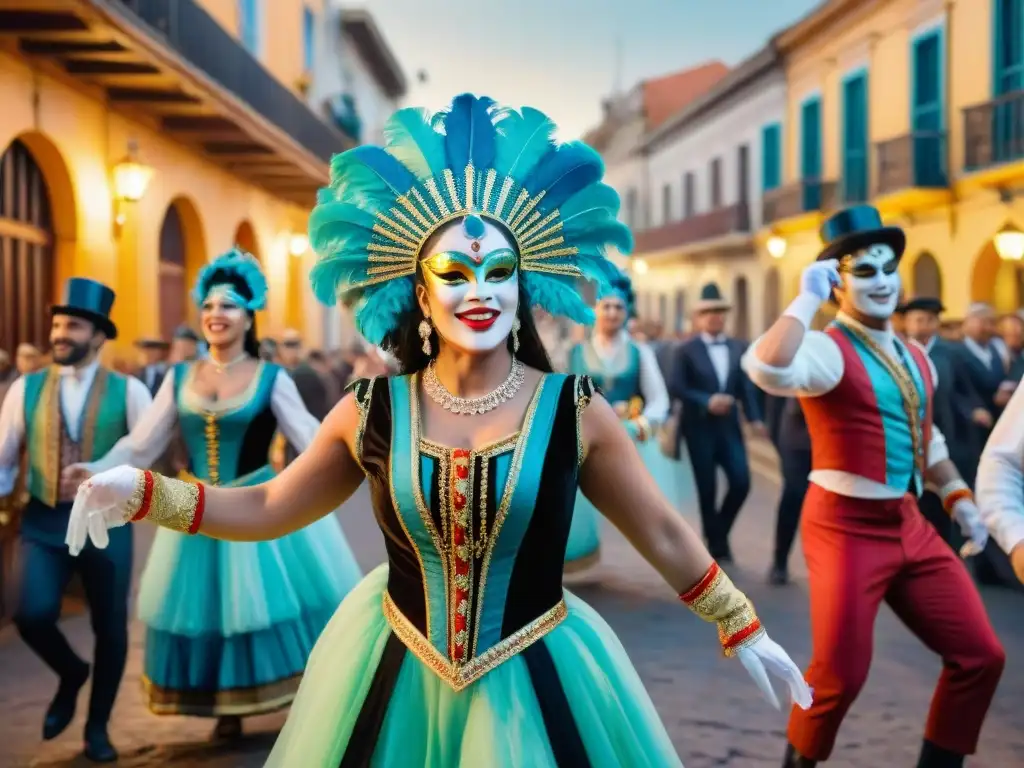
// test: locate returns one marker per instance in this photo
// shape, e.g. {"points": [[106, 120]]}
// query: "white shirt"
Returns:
{"points": [[984, 354], [611, 354], [75, 384], [718, 351], [816, 370], [149, 438], [999, 486]]}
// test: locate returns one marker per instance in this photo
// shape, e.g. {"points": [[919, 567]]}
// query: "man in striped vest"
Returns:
{"points": [[72, 411], [867, 398]]}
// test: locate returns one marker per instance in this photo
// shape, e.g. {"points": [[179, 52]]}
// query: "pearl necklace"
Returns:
{"points": [[473, 405], [222, 367]]}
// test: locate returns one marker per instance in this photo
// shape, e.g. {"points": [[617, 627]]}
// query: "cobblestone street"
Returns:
{"points": [[713, 712]]}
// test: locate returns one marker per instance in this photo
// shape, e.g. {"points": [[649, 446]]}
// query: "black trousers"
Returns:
{"points": [[708, 452], [796, 466], [106, 575]]}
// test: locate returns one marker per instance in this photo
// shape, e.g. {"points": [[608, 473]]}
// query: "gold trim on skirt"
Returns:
{"points": [[257, 700]]}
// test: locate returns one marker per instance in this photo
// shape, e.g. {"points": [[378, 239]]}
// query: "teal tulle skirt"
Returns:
{"points": [[494, 723], [675, 480], [230, 625]]}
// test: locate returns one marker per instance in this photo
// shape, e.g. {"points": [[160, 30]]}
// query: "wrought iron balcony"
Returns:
{"points": [[728, 220], [797, 199], [914, 161], [994, 132]]}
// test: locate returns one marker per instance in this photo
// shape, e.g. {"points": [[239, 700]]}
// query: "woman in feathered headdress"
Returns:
{"points": [[628, 376], [229, 625], [464, 649]]}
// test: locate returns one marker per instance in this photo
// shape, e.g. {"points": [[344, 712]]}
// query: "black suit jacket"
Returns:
{"points": [[985, 380], [694, 381], [153, 376], [954, 400]]}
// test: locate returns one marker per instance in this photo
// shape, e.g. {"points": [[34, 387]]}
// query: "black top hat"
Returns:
{"points": [[852, 229], [186, 333], [89, 300], [924, 304], [711, 299]]}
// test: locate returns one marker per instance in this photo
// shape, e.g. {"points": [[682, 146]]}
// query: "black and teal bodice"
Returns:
{"points": [[228, 442], [475, 539], [618, 379]]}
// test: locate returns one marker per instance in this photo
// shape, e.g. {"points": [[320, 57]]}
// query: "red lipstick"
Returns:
{"points": [[479, 319]]}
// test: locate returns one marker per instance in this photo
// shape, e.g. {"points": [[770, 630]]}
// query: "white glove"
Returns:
{"points": [[101, 504], [967, 516], [820, 278], [764, 655]]}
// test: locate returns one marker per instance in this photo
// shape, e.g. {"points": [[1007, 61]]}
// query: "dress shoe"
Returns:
{"points": [[98, 748], [228, 727], [794, 759], [61, 711], [778, 577], [934, 756]]}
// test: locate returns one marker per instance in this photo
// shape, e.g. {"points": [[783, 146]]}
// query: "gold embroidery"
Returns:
{"points": [[91, 414], [49, 401], [211, 434], [582, 401], [363, 406], [460, 523], [173, 504], [460, 676]]}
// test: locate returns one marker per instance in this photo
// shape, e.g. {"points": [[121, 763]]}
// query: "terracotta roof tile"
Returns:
{"points": [[666, 95]]}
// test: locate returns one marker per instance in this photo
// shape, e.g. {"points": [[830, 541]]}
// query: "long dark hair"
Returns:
{"points": [[250, 344], [407, 346]]}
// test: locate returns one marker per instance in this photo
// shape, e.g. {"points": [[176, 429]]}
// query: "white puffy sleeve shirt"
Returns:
{"points": [[999, 487]]}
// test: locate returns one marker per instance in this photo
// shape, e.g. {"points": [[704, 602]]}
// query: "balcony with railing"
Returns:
{"points": [[994, 132], [793, 200], [721, 222], [913, 161]]}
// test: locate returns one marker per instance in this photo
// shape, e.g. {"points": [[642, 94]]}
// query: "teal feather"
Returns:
{"points": [[557, 295], [469, 134], [411, 140], [523, 139], [594, 197], [377, 312], [368, 173], [563, 172], [240, 264]]}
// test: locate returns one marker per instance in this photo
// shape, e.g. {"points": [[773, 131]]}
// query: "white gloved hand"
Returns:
{"points": [[820, 278], [764, 655], [102, 503], [967, 516]]}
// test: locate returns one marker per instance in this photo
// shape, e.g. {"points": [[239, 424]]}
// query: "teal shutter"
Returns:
{"points": [[810, 153], [1007, 125], [308, 36], [927, 113], [248, 22], [855, 138], [771, 156]]}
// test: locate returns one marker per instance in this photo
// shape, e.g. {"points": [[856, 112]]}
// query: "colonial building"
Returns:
{"points": [[140, 139], [706, 168], [917, 106]]}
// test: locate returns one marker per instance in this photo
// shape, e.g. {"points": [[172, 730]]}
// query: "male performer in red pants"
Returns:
{"points": [[866, 396]]}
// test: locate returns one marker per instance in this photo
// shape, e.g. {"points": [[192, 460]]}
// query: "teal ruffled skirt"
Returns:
{"points": [[673, 478], [230, 625], [494, 723]]}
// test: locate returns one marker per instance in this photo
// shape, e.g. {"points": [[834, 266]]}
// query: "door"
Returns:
{"points": [[855, 138], [927, 142]]}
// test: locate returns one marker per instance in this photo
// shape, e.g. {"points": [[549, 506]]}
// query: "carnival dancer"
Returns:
{"points": [[229, 625], [627, 375], [75, 409], [1000, 482], [867, 398], [463, 649]]}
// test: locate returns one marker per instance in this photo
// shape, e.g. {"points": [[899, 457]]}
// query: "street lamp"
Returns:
{"points": [[1009, 243], [776, 246], [298, 244], [640, 266], [131, 180]]}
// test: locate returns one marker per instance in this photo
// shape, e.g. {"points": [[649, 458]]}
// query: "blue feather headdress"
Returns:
{"points": [[238, 265], [621, 287], [503, 165]]}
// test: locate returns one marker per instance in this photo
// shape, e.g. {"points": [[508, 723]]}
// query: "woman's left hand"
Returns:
{"points": [[764, 655]]}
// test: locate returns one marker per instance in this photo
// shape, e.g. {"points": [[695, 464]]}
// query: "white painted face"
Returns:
{"points": [[871, 280], [471, 288]]}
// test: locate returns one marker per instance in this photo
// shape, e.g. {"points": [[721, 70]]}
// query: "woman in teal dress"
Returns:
{"points": [[229, 625], [464, 650], [628, 376]]}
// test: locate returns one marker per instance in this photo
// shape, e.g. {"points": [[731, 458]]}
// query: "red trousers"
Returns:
{"points": [[860, 552]]}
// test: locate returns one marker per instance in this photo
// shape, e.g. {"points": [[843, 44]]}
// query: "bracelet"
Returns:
{"points": [[950, 499], [169, 503], [715, 598]]}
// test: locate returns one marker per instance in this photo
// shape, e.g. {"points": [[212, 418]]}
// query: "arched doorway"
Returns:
{"points": [[182, 254], [995, 281], [741, 308], [27, 238], [245, 238], [772, 297], [927, 279]]}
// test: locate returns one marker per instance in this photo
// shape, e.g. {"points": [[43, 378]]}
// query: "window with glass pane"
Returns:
{"points": [[928, 140], [1008, 114], [855, 139], [308, 37]]}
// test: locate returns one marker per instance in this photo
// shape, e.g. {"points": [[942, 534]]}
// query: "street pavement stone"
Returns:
{"points": [[712, 710]]}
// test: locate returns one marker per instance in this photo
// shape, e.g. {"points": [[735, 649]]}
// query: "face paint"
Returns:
{"points": [[223, 315], [871, 280], [473, 295]]}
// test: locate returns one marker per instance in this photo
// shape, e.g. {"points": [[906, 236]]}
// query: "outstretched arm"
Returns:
{"points": [[1000, 481]]}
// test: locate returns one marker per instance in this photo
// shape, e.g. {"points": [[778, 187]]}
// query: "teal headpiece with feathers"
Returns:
{"points": [[621, 287], [475, 158], [228, 269]]}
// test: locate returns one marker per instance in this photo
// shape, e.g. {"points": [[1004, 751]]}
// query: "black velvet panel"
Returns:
{"points": [[256, 444], [563, 734], [366, 731], [536, 583], [405, 581]]}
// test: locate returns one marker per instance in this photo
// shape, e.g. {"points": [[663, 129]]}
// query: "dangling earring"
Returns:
{"points": [[424, 330], [515, 335]]}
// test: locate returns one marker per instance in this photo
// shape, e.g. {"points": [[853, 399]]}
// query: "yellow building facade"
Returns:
{"points": [[916, 106], [137, 144]]}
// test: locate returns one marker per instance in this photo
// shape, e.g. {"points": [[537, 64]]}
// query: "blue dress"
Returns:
{"points": [[230, 625], [619, 386], [463, 650]]}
